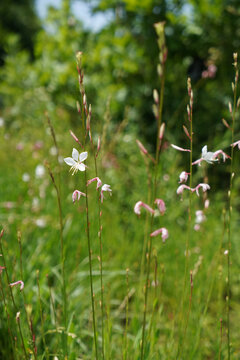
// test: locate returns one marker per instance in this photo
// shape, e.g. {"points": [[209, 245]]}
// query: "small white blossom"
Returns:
{"points": [[39, 171], [76, 161]]}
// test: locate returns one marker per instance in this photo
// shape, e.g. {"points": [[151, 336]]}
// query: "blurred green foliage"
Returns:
{"points": [[120, 62]]}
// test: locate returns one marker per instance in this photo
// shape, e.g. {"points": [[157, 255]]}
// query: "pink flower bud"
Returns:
{"points": [[183, 177], [76, 195], [17, 283], [163, 231], [141, 147], [161, 205], [139, 204]]}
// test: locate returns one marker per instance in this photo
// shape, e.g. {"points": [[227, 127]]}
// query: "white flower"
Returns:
{"points": [[25, 177], [200, 217], [105, 187], [210, 157], [76, 161], [183, 177], [39, 171]]}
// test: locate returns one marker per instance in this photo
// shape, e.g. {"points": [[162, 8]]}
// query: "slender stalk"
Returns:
{"points": [[220, 345], [42, 320], [149, 250], [12, 298], [64, 295], [127, 318], [230, 208], [30, 327], [90, 269]]}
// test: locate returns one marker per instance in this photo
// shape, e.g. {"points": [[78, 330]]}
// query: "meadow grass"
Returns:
{"points": [[96, 285]]}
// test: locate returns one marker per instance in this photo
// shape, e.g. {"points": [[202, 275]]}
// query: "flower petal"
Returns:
{"points": [[69, 161], [81, 167], [83, 156], [75, 154]]}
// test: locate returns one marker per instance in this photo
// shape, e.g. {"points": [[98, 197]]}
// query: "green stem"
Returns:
{"points": [[90, 269]]}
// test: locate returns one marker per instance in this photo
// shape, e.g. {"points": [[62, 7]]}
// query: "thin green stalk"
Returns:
{"points": [[64, 295], [230, 209], [42, 320], [220, 345], [127, 318], [24, 298], [12, 298], [149, 254], [90, 269]]}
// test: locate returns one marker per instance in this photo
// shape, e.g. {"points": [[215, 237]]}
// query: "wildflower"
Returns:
{"points": [[183, 177], [76, 161], [25, 177], [162, 231], [226, 252], [182, 187], [204, 187], [17, 283], [200, 217], [237, 143], [161, 205], [39, 171], [210, 156], [140, 204], [99, 182], [196, 227], [105, 187], [41, 223], [179, 148], [76, 195], [18, 316]]}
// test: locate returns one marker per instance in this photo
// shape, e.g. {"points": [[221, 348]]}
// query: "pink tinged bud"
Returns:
{"points": [[141, 147], [18, 316], [139, 204], [206, 204], [19, 282], [183, 177], [84, 100], [204, 187], [78, 107], [76, 195], [225, 123], [186, 132], [99, 182], [161, 131], [196, 227], [163, 231], [230, 107], [155, 96], [75, 137], [237, 143], [179, 148], [200, 217], [161, 205]]}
